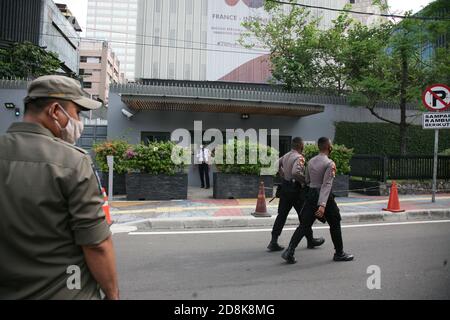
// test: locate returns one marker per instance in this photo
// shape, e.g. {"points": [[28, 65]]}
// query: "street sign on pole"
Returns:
{"points": [[436, 98], [110, 160], [436, 120]]}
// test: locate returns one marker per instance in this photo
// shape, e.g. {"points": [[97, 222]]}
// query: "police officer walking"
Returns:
{"points": [[55, 242], [320, 203], [293, 190]]}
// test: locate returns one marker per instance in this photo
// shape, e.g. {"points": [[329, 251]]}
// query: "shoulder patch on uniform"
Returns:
{"points": [[301, 160], [333, 169]]}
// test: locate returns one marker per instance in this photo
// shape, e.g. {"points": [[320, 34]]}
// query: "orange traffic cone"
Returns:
{"points": [[261, 208], [106, 207], [394, 203]]}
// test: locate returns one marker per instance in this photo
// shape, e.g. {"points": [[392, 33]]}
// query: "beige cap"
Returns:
{"points": [[61, 87]]}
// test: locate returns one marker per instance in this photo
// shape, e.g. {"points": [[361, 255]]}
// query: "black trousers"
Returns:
{"points": [[203, 168], [332, 216], [290, 196]]}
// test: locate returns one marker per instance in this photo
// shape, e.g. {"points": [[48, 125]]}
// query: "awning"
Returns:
{"points": [[219, 105]]}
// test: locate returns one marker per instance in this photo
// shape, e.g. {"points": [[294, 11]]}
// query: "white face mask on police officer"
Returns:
{"points": [[72, 132]]}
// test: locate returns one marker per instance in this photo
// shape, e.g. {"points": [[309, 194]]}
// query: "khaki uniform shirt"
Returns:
{"points": [[292, 167], [50, 205], [320, 175]]}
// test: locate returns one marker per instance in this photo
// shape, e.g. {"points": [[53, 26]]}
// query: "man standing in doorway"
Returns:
{"points": [[203, 157]]}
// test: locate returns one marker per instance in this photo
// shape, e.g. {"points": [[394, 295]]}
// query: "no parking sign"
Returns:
{"points": [[436, 98]]}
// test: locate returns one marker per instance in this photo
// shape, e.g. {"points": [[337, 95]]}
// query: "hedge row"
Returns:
{"points": [[384, 138]]}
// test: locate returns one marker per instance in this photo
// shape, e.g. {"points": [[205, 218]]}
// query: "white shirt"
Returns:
{"points": [[203, 155]]}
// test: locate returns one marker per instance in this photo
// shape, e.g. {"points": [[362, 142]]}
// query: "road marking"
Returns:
{"points": [[117, 228], [207, 208], [285, 229]]}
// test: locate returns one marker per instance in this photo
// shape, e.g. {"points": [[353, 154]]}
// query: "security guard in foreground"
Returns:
{"points": [[54, 240], [320, 203], [293, 191]]}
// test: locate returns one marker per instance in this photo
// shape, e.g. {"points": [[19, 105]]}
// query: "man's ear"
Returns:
{"points": [[53, 111]]}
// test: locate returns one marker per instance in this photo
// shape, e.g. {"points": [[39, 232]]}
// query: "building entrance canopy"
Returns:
{"points": [[217, 97]]}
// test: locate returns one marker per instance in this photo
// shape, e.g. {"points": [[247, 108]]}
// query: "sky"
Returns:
{"points": [[79, 7]]}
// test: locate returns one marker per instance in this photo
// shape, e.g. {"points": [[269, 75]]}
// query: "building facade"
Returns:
{"points": [[198, 39], [46, 26], [99, 67], [115, 21]]}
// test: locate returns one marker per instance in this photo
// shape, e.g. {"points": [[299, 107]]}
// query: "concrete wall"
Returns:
{"points": [[7, 116]]}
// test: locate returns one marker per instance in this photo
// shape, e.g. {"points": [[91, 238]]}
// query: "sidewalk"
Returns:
{"points": [[211, 213]]}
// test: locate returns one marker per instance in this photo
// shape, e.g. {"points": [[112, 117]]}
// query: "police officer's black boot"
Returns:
{"points": [[343, 256], [315, 242], [288, 255], [273, 245]]}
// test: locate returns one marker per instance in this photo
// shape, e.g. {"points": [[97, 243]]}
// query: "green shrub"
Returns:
{"points": [[245, 168], [154, 158], [445, 153], [341, 155], [384, 138], [116, 148]]}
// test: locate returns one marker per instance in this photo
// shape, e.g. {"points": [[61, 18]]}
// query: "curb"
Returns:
{"points": [[158, 224]]}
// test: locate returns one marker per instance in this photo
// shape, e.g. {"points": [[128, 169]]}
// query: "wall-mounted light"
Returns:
{"points": [[10, 105], [245, 116], [17, 112]]}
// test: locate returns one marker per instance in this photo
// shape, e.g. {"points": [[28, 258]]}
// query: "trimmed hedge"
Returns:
{"points": [[384, 138]]}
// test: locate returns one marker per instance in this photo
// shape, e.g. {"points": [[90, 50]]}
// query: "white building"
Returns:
{"points": [[197, 39], [115, 22]]}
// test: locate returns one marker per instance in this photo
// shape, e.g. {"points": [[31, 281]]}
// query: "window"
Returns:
{"points": [[147, 137], [187, 72], [171, 74], [352, 1], [87, 85], [155, 70]]}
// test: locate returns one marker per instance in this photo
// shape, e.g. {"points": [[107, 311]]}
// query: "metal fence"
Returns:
{"points": [[92, 134], [382, 168]]}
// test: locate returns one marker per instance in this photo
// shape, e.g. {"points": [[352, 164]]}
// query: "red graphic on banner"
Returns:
{"points": [[249, 3]]}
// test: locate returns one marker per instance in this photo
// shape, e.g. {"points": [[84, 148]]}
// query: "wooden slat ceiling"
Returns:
{"points": [[148, 103]]}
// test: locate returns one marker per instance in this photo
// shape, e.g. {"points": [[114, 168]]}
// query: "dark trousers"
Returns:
{"points": [[332, 216], [203, 168], [290, 196]]}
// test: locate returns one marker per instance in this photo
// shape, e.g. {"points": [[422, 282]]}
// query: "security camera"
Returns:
{"points": [[127, 114]]}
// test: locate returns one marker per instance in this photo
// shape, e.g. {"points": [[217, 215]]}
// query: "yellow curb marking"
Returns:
{"points": [[200, 208]]}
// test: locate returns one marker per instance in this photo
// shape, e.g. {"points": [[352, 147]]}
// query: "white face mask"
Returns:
{"points": [[72, 132]]}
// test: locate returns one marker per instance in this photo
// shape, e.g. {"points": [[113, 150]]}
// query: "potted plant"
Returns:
{"points": [[152, 175], [241, 179], [116, 148], [341, 156]]}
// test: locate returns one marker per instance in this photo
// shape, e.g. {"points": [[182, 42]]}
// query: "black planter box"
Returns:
{"points": [[119, 186], [341, 186], [237, 186], [142, 186]]}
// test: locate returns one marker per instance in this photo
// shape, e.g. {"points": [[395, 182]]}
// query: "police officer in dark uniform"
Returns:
{"points": [[293, 190], [320, 203]]}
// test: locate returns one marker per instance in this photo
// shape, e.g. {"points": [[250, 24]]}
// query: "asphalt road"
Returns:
{"points": [[412, 259]]}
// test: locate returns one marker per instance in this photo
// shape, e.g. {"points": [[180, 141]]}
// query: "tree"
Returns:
{"points": [[383, 62], [26, 60]]}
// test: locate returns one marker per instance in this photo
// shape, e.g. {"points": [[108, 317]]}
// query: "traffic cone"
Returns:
{"points": [[106, 207], [394, 202], [261, 208]]}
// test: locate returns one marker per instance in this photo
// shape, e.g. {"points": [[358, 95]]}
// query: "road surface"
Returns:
{"points": [[412, 257]]}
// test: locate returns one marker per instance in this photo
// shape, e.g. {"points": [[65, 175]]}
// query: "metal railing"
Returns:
{"points": [[382, 168]]}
